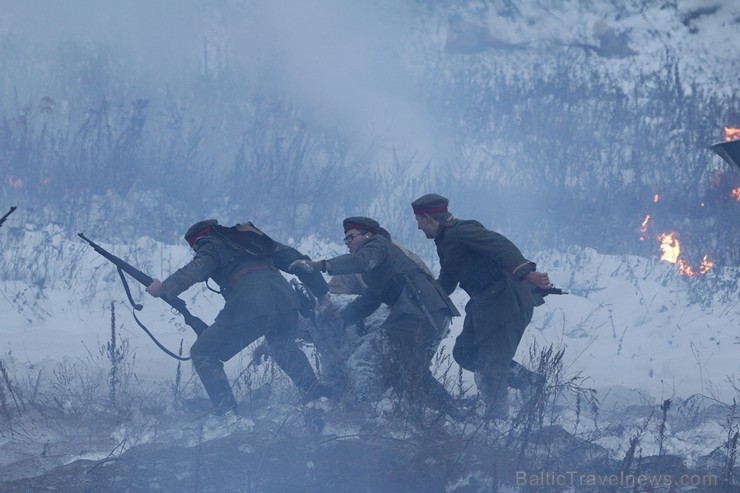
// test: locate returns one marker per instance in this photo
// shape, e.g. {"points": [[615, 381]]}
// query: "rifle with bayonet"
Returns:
{"points": [[176, 303], [2, 219]]}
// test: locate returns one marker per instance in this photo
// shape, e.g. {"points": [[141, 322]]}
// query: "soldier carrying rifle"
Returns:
{"points": [[418, 319], [245, 264], [503, 288]]}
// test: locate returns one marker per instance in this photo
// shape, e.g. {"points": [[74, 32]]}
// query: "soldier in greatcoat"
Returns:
{"points": [[259, 302], [418, 316], [500, 283]]}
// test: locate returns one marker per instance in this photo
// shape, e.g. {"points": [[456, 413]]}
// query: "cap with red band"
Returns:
{"points": [[361, 223], [199, 229], [430, 203]]}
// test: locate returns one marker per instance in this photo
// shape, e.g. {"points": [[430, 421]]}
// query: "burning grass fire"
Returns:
{"points": [[729, 150], [671, 252], [670, 249], [732, 133]]}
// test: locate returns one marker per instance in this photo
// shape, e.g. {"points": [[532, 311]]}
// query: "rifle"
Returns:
{"points": [[2, 219], [176, 303], [308, 311], [417, 298], [324, 341], [545, 291]]}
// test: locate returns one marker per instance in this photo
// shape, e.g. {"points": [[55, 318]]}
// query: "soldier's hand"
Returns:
{"points": [[306, 267], [155, 288], [539, 279], [324, 301]]}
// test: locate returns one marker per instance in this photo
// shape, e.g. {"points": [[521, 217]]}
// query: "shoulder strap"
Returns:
{"points": [[247, 238]]}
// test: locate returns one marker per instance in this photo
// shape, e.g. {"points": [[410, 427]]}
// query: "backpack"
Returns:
{"points": [[247, 238]]}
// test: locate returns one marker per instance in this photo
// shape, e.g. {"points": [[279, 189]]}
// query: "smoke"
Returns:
{"points": [[345, 65]]}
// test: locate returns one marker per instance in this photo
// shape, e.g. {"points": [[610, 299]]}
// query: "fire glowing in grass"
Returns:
{"points": [[671, 252], [670, 249], [643, 229], [732, 133]]}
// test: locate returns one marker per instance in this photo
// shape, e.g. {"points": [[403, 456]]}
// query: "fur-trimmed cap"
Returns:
{"points": [[361, 223], [199, 229], [430, 204]]}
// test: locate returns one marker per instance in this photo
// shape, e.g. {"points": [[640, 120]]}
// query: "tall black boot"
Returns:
{"points": [[217, 386], [524, 380], [295, 364]]}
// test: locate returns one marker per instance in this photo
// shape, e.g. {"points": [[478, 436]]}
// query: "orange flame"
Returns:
{"points": [[732, 133], [643, 229], [671, 248], [735, 194], [687, 270]]}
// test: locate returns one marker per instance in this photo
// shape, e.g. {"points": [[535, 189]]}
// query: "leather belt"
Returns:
{"points": [[247, 269]]}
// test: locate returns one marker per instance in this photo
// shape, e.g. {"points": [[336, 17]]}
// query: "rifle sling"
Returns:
{"points": [[138, 307], [159, 344]]}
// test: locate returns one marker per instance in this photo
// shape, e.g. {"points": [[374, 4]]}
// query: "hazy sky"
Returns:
{"points": [[343, 63]]}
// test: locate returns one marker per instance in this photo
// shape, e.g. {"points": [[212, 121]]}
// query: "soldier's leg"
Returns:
{"points": [[465, 352], [490, 377], [365, 365], [333, 350], [439, 397], [281, 331], [492, 366], [219, 343], [524, 379], [413, 344]]}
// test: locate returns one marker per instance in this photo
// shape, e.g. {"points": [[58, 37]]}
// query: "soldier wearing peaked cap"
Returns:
{"points": [[499, 281], [245, 264], [418, 318], [353, 283]]}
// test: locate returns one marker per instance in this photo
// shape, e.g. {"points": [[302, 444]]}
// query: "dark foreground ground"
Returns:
{"points": [[320, 448]]}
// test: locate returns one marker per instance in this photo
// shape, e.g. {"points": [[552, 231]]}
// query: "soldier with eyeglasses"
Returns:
{"points": [[418, 318]]}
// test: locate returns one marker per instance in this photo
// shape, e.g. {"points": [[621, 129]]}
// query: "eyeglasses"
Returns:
{"points": [[348, 239]]}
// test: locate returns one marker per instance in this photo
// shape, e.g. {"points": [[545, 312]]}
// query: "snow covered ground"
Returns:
{"points": [[632, 328], [628, 321]]}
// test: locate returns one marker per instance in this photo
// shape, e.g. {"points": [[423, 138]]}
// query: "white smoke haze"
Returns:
{"points": [[554, 122], [341, 63]]}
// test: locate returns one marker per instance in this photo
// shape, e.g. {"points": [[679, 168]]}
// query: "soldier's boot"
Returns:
{"points": [[217, 387], [529, 383], [498, 407], [294, 363], [316, 391], [495, 395], [441, 400]]}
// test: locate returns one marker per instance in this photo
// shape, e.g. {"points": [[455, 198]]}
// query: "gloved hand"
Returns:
{"points": [[306, 266]]}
